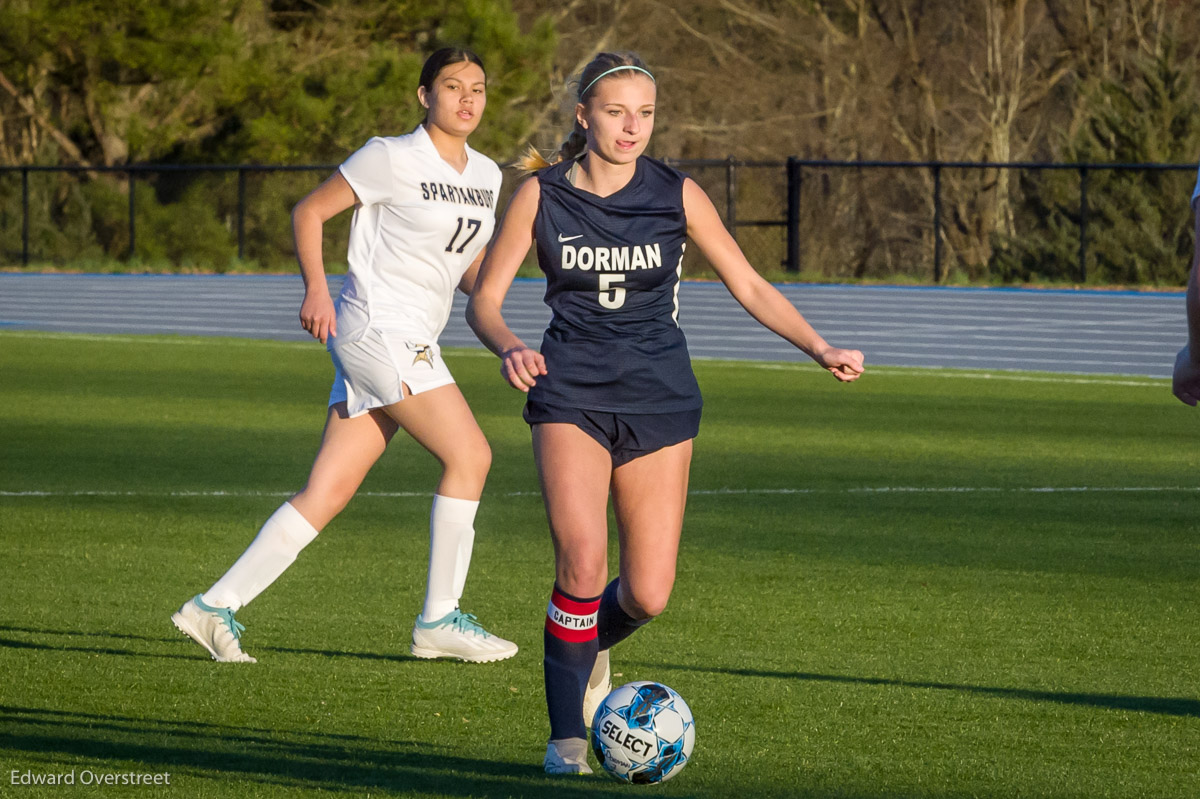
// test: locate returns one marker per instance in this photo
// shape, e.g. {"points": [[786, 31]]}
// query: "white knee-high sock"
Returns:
{"points": [[451, 537], [268, 556]]}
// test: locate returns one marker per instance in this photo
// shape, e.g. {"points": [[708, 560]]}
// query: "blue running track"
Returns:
{"points": [[1084, 332]]}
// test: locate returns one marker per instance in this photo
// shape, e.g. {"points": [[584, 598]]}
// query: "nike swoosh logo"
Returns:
{"points": [[562, 238]]}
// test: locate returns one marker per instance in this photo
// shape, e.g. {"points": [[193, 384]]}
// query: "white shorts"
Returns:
{"points": [[370, 370]]}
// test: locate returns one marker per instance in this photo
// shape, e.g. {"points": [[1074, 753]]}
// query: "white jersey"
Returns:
{"points": [[419, 227]]}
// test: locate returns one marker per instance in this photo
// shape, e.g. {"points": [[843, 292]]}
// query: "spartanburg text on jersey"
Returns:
{"points": [[612, 269], [419, 226]]}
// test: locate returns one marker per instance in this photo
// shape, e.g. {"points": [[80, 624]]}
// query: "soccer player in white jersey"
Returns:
{"points": [[1185, 381], [424, 209]]}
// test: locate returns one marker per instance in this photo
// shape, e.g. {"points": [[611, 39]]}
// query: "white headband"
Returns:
{"points": [[609, 72]]}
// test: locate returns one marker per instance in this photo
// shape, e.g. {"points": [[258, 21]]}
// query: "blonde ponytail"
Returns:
{"points": [[532, 161], [569, 150]]}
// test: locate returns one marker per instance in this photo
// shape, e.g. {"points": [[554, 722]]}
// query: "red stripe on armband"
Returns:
{"points": [[570, 619]]}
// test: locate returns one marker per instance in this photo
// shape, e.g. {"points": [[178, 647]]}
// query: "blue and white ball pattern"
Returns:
{"points": [[643, 732]]}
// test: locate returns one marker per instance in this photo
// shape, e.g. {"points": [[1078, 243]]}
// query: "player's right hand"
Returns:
{"points": [[1185, 381], [521, 366], [318, 316], [845, 365]]}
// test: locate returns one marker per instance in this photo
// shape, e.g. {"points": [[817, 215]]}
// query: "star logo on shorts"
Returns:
{"points": [[423, 354]]}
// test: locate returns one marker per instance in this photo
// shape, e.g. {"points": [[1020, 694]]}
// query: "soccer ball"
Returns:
{"points": [[643, 733]]}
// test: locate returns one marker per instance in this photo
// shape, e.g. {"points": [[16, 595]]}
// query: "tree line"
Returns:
{"points": [[308, 81]]}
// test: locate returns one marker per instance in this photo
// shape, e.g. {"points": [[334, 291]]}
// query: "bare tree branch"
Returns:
{"points": [[30, 107]]}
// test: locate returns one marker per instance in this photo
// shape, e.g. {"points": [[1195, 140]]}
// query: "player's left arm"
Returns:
{"points": [[317, 313], [762, 300]]}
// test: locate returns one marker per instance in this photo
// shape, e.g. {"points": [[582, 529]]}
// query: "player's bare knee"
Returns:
{"points": [[326, 499], [582, 580], [647, 602], [341, 493], [470, 464]]}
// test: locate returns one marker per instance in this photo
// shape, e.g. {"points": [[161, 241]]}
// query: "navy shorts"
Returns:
{"points": [[625, 435]]}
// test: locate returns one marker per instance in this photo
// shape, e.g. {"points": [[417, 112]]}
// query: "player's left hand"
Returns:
{"points": [[521, 367], [845, 365], [1185, 381]]}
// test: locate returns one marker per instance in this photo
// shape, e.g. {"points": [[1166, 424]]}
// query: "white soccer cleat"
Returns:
{"points": [[458, 635], [599, 686], [567, 756], [215, 629]]}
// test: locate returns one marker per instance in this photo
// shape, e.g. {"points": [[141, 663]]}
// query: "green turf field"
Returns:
{"points": [[927, 584]]}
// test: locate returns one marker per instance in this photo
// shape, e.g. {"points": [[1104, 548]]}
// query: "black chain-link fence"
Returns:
{"points": [[203, 216], [821, 220], [938, 222]]}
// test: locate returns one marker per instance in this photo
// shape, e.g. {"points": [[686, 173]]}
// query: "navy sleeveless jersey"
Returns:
{"points": [[612, 269]]}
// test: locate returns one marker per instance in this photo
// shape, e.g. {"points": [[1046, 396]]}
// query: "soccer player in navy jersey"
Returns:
{"points": [[1185, 383], [612, 400]]}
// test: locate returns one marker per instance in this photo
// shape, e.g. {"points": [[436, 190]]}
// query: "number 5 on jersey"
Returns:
{"points": [[611, 296], [473, 224]]}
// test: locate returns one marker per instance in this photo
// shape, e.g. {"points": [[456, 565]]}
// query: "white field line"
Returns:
{"points": [[699, 492]]}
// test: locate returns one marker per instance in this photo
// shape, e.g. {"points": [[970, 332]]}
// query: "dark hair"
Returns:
{"points": [[585, 86], [440, 59]]}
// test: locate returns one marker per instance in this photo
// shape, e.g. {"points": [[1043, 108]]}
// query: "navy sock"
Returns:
{"points": [[613, 624], [570, 653]]}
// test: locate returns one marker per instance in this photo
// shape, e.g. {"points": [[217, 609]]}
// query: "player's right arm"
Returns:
{"points": [[1185, 382], [317, 314], [520, 365]]}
